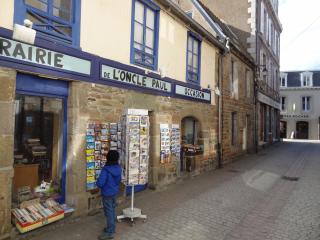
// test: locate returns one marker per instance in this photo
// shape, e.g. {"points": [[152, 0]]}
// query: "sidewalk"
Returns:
{"points": [[246, 200]]}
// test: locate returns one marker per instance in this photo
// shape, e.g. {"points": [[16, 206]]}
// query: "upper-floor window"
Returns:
{"points": [[145, 28], [283, 103], [193, 58], [306, 79], [248, 83], [306, 104], [54, 19], [283, 80], [234, 79]]}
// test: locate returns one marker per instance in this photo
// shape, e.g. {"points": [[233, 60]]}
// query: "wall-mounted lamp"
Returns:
{"points": [[24, 33]]}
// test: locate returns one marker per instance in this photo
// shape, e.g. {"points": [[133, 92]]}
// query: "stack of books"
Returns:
{"points": [[37, 215]]}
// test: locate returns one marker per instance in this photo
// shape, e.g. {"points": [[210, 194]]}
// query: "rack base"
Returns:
{"points": [[131, 213]]}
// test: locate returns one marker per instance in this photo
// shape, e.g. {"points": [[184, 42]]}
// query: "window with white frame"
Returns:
{"points": [[306, 104], [283, 80], [283, 104], [306, 79]]}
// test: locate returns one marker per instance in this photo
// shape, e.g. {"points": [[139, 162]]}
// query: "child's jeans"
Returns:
{"points": [[109, 205]]}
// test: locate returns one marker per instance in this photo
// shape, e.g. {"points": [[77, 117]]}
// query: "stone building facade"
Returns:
{"points": [[258, 27], [66, 72], [299, 98], [71, 72]]}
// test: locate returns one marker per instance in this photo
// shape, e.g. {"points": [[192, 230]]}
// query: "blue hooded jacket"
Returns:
{"points": [[109, 180]]}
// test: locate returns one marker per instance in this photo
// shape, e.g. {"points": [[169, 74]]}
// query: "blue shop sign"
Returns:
{"points": [[126, 77], [32, 54]]}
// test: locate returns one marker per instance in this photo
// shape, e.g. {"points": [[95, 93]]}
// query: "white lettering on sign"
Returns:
{"points": [[131, 78], [32, 54], [193, 93]]}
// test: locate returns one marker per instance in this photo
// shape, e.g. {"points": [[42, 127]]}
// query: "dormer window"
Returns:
{"points": [[306, 79], [283, 79]]}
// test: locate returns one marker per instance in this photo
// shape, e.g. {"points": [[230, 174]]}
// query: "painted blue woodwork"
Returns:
{"points": [[36, 86], [193, 52], [48, 25], [96, 63], [148, 56]]}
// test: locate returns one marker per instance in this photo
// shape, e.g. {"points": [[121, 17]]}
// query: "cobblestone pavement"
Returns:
{"points": [[255, 198]]}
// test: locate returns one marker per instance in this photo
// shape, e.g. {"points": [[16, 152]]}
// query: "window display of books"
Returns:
{"points": [[37, 214], [135, 146], [97, 147]]}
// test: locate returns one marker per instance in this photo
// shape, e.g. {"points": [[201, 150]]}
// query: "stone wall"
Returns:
{"points": [[7, 99], [243, 105], [99, 102]]}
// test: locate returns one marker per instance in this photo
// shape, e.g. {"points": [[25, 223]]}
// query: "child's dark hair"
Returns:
{"points": [[112, 158]]}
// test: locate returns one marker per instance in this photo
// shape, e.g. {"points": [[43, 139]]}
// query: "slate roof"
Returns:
{"points": [[293, 78]]}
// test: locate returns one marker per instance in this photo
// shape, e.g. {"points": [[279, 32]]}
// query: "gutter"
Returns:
{"points": [[172, 7]]}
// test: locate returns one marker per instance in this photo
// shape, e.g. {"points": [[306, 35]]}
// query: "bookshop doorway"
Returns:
{"points": [[39, 144], [190, 130], [302, 130]]}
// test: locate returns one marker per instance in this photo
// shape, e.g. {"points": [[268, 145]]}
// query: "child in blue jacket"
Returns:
{"points": [[109, 181]]}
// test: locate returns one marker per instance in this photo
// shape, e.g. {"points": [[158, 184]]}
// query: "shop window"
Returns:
{"points": [[145, 27], [193, 58], [38, 143], [234, 128], [54, 19]]}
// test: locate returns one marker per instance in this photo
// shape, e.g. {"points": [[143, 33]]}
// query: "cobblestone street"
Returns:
{"points": [[256, 198]]}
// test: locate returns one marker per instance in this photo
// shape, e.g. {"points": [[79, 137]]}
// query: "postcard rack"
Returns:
{"points": [[135, 156]]}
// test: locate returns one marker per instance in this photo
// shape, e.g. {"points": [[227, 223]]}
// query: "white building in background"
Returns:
{"points": [[300, 108]]}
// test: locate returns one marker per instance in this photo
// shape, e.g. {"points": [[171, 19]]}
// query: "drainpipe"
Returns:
{"points": [[220, 105]]}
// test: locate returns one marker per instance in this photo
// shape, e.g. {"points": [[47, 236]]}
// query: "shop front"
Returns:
{"points": [[268, 119], [62, 116]]}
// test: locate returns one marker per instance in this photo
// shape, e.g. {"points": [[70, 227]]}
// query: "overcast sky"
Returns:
{"points": [[300, 39]]}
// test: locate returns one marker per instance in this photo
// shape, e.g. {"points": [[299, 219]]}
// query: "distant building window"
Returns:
{"points": [[306, 79], [193, 59], [306, 104], [56, 19], [283, 80], [283, 103], [234, 128], [145, 25]]}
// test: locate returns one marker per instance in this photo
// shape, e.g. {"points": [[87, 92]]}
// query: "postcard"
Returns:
{"points": [[91, 179], [90, 131], [97, 145], [104, 131], [89, 138], [90, 158], [133, 119], [90, 152], [91, 165]]}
